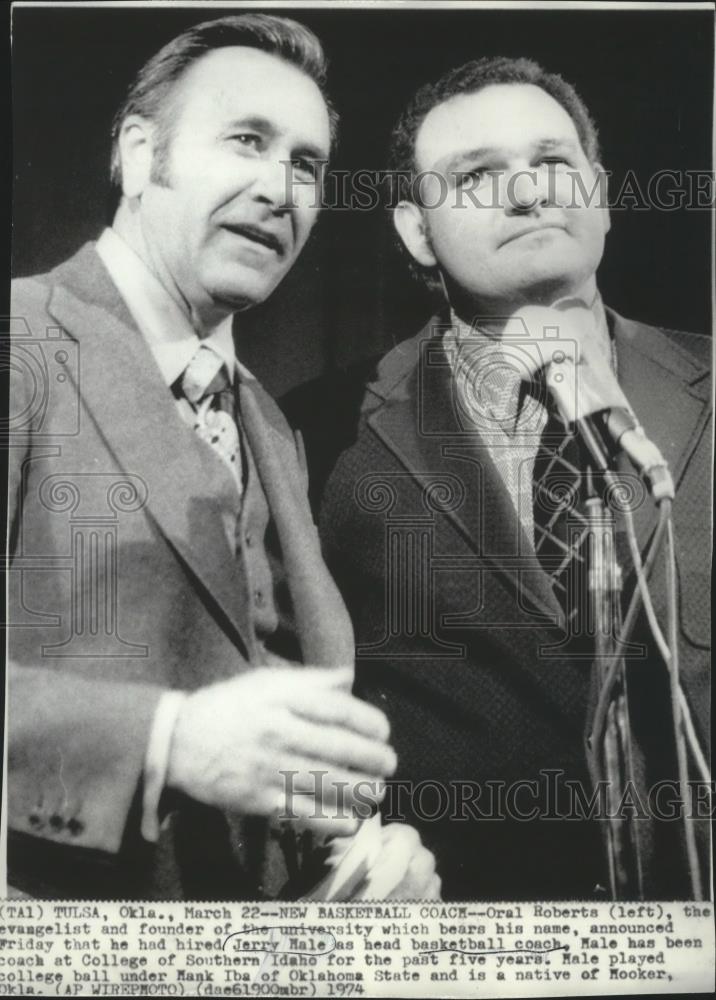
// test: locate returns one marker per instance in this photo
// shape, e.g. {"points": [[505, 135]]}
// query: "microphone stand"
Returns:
{"points": [[613, 759], [598, 408]]}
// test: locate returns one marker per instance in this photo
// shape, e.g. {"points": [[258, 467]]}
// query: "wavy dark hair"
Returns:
{"points": [[470, 78]]}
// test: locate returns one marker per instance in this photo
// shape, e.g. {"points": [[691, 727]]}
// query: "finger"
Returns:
{"points": [[400, 836], [418, 877], [323, 677], [336, 677], [339, 746], [293, 774], [406, 869], [420, 870], [433, 890], [281, 682], [332, 786], [339, 708]]}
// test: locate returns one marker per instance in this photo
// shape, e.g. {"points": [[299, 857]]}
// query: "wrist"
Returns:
{"points": [[157, 762]]}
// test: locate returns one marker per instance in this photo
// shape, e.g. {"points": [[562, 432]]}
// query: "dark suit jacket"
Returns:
{"points": [[122, 583], [457, 642]]}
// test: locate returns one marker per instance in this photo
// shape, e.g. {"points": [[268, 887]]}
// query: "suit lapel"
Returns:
{"points": [[324, 627], [419, 423], [123, 391], [670, 394]]}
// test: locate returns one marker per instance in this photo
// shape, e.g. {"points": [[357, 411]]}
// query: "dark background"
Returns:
{"points": [[646, 76]]}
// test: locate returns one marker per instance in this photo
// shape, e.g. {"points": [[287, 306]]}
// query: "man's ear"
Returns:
{"points": [[604, 195], [135, 154], [408, 219]]}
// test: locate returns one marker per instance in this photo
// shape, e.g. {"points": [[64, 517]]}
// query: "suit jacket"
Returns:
{"points": [[456, 629], [123, 583]]}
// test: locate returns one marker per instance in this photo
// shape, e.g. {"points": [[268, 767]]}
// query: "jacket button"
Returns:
{"points": [[75, 826], [248, 539], [56, 821], [259, 598], [35, 818]]}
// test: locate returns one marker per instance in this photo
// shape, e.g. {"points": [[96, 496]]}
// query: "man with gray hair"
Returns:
{"points": [[180, 658]]}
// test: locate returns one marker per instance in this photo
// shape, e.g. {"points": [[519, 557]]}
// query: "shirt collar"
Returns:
{"points": [[161, 321], [488, 384]]}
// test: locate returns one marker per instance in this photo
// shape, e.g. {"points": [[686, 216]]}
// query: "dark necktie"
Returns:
{"points": [[572, 532], [560, 522]]}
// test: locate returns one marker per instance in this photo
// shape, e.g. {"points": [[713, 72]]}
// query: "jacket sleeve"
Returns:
{"points": [[76, 749], [76, 743]]}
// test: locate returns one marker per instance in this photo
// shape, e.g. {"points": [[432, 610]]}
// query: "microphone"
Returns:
{"points": [[586, 392]]}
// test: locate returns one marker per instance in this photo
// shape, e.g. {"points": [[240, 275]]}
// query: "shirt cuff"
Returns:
{"points": [[156, 762]]}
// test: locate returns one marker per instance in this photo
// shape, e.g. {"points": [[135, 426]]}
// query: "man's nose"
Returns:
{"points": [[525, 189], [273, 183]]}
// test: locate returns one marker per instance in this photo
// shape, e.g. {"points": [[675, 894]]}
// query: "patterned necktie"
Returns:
{"points": [[568, 537], [207, 386], [560, 523]]}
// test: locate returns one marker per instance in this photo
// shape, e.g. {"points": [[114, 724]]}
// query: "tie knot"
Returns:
{"points": [[205, 375], [489, 381]]}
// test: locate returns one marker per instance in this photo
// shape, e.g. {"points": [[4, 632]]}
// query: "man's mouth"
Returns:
{"points": [[258, 235], [529, 230]]}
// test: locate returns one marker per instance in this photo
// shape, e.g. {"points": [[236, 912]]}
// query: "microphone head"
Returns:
{"points": [[537, 333], [564, 342]]}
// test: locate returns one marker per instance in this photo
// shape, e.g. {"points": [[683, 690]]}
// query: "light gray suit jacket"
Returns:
{"points": [[122, 583]]}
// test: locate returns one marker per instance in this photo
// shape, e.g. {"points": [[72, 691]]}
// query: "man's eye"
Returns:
{"points": [[307, 168], [555, 160], [473, 176], [247, 140]]}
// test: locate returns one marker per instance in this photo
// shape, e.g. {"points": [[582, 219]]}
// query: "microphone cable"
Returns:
{"points": [[683, 728], [675, 689]]}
